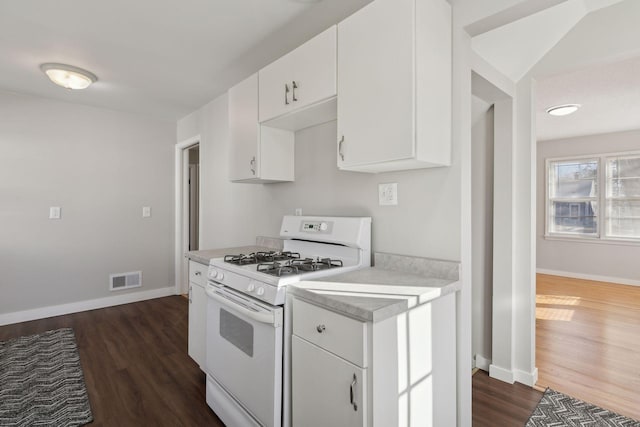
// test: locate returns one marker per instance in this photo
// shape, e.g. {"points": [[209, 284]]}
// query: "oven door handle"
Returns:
{"points": [[268, 318]]}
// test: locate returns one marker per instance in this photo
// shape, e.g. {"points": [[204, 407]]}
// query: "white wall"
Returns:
{"points": [[424, 223], [101, 167], [610, 260], [482, 229]]}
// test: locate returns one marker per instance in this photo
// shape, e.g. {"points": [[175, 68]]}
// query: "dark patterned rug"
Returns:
{"points": [[559, 410], [41, 381]]}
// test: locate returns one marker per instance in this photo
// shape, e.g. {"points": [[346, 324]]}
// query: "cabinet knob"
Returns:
{"points": [[320, 328]]}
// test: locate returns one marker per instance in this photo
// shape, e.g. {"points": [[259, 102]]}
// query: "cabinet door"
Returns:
{"points": [[314, 69], [376, 113], [274, 98], [197, 323], [323, 386], [244, 130]]}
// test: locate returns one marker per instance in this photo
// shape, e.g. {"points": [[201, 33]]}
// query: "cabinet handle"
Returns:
{"points": [[198, 273], [351, 398], [286, 94], [340, 152], [294, 86], [320, 328], [252, 165], [190, 290]]}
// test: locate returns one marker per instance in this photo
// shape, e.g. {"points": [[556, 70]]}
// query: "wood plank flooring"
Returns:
{"points": [[496, 403], [588, 341], [135, 363]]}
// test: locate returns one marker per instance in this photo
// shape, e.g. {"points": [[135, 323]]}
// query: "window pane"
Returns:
{"points": [[623, 218], [574, 217], [573, 179], [623, 176]]}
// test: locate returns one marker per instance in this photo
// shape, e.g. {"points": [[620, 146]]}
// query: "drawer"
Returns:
{"points": [[341, 335], [198, 273]]}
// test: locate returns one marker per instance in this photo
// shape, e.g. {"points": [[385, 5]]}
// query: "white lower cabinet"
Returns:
{"points": [[327, 390], [197, 312], [398, 371]]}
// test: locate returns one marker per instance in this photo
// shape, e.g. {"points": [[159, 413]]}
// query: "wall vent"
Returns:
{"points": [[125, 280]]}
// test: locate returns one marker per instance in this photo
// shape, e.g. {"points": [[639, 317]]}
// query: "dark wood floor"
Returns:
{"points": [[498, 404], [135, 363], [138, 372]]}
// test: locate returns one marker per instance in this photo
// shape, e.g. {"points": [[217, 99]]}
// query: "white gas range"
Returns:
{"points": [[245, 314]]}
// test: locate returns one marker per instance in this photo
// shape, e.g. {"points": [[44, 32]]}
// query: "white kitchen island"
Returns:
{"points": [[374, 347]]}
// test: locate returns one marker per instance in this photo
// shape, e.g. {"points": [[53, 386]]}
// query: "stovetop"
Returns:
{"points": [[281, 264]]}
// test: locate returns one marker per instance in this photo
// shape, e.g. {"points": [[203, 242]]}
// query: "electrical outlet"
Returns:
{"points": [[146, 211], [388, 194], [54, 212], [298, 211]]}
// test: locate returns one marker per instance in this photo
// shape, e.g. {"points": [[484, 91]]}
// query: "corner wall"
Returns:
{"points": [[101, 167]]}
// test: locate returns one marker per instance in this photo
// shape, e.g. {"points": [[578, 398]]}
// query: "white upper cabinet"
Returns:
{"points": [[258, 154], [303, 78], [394, 86]]}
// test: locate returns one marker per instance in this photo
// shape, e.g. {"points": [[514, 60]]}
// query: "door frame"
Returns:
{"points": [[180, 169]]}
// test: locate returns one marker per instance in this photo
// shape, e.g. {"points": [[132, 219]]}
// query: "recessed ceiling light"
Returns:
{"points": [[563, 110], [68, 76]]}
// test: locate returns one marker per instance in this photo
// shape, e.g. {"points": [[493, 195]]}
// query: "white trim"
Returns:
{"points": [[596, 240], [482, 363], [178, 251], [526, 378], [594, 277], [504, 375], [75, 307]]}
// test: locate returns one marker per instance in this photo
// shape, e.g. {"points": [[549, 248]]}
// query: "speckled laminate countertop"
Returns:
{"points": [[262, 244], [377, 293]]}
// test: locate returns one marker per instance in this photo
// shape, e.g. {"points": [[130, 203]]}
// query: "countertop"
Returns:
{"points": [[263, 244], [377, 293]]}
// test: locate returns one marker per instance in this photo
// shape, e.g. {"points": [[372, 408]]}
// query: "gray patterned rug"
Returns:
{"points": [[559, 410], [41, 381]]}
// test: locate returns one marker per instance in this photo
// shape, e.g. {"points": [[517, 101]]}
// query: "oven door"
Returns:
{"points": [[244, 352]]}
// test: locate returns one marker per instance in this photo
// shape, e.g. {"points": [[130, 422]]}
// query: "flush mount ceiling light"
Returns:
{"points": [[68, 76], [563, 110]]}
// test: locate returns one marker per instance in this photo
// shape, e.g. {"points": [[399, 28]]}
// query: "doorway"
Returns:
{"points": [[187, 208]]}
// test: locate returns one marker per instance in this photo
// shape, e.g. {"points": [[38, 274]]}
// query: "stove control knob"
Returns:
{"points": [[260, 291], [220, 275], [251, 287], [213, 273], [323, 226]]}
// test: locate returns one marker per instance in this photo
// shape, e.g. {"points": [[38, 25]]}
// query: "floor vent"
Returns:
{"points": [[125, 280]]}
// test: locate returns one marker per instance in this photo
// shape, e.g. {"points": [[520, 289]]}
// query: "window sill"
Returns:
{"points": [[596, 240]]}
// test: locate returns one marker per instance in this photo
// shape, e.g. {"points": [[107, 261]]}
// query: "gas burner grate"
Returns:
{"points": [[296, 266], [261, 257], [241, 259]]}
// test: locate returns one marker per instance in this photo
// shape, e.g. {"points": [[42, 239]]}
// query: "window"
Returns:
{"points": [[573, 197], [623, 197]]}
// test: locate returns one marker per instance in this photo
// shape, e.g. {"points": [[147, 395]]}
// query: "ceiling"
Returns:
{"points": [[609, 95], [161, 58]]}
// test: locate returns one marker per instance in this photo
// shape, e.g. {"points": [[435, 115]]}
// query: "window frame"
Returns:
{"points": [[602, 198]]}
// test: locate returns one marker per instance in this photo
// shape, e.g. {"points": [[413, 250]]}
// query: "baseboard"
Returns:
{"points": [[75, 307], [596, 278], [482, 363], [501, 374], [526, 378]]}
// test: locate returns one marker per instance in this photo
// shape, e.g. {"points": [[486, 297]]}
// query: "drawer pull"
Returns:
{"points": [[320, 328], [353, 384], [198, 273]]}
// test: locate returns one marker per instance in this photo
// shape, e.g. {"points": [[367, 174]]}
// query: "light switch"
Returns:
{"points": [[388, 194], [54, 212], [146, 211]]}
